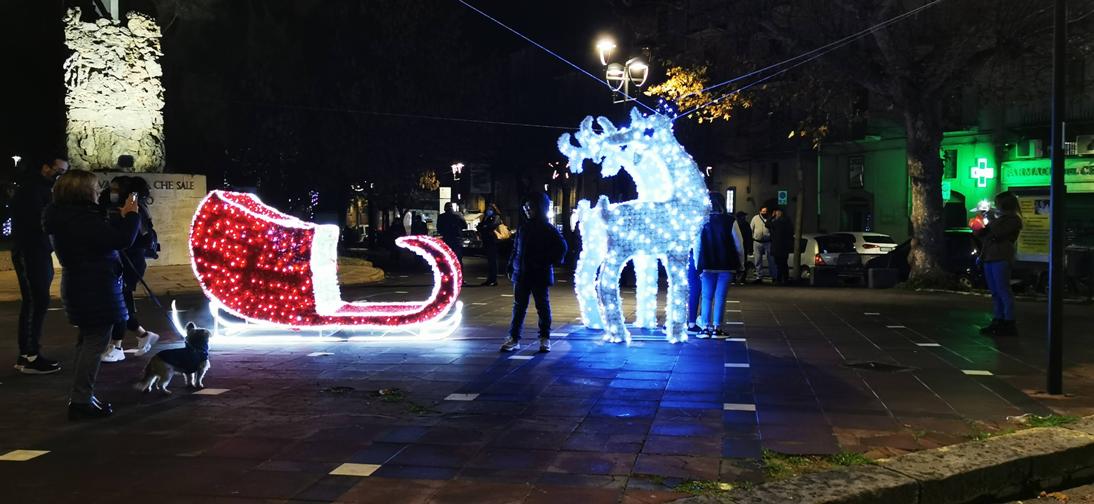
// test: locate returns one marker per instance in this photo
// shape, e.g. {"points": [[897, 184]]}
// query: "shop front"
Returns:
{"points": [[1029, 180]]}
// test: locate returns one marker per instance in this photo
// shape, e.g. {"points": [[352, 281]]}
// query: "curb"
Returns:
{"points": [[997, 469]]}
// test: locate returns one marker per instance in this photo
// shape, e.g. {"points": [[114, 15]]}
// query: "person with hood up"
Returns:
{"points": [[539, 246], [87, 245]]}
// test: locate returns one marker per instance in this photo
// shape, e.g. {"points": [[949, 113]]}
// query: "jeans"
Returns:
{"points": [[997, 276], [133, 269], [715, 286], [89, 349], [34, 271], [490, 248], [695, 288], [761, 257], [521, 291]]}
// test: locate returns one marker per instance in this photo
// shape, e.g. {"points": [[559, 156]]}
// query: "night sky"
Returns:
{"points": [[541, 90]]}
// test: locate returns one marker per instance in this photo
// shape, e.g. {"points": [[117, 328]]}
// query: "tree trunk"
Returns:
{"points": [[923, 124]]}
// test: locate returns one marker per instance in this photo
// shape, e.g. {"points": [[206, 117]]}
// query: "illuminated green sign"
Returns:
{"points": [[1036, 172], [947, 190], [982, 172]]}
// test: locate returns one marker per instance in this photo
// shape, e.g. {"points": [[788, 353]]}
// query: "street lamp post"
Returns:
{"points": [[621, 76]]}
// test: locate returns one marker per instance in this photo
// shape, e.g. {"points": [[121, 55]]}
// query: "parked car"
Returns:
{"points": [[871, 244], [472, 244], [831, 251], [962, 250]]}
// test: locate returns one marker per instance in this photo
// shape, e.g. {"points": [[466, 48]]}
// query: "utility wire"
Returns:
{"points": [[552, 53], [809, 56], [828, 47]]}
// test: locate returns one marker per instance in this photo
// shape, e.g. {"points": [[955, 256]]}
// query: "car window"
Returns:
{"points": [[877, 239], [836, 243]]}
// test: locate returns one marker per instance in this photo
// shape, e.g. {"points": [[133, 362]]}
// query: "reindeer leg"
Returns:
{"points": [[585, 285], [676, 310], [610, 302], [645, 271]]}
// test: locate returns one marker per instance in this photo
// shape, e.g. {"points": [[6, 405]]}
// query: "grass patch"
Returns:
{"points": [[705, 487], [420, 410], [982, 435], [781, 466], [1051, 420], [850, 459]]}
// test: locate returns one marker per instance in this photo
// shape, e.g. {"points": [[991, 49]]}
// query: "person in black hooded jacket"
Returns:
{"points": [[87, 246], [539, 246], [33, 264]]}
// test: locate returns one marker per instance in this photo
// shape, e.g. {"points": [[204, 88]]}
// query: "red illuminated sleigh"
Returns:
{"points": [[268, 269]]}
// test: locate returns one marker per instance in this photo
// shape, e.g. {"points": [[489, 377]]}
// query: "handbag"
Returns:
{"points": [[502, 232]]}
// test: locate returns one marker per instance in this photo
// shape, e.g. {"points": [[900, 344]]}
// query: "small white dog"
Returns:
{"points": [[192, 361]]}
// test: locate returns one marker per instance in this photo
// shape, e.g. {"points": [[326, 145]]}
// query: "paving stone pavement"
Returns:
{"points": [[588, 422]]}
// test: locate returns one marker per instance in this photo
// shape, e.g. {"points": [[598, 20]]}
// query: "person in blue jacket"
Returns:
{"points": [[87, 245], [539, 246]]}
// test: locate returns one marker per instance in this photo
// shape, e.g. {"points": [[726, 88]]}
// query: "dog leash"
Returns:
{"points": [[140, 278]]}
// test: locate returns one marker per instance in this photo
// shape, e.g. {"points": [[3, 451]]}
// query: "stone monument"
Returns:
{"points": [[114, 95]]}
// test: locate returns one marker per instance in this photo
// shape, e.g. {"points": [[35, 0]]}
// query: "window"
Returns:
{"points": [[836, 243], [877, 239], [855, 168], [949, 164]]}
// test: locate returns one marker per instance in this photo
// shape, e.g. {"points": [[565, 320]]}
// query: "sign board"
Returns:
{"points": [[1078, 173], [175, 198], [982, 172], [783, 197], [1033, 240]]}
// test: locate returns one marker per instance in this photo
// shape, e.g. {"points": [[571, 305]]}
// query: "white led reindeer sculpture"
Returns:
{"points": [[662, 224]]}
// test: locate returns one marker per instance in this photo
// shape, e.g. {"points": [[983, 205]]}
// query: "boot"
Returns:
{"points": [[990, 329], [1006, 328]]}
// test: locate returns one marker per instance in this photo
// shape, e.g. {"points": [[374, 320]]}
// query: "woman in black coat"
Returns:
{"points": [[134, 261], [87, 246]]}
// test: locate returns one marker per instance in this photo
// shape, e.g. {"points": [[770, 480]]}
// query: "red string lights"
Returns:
{"points": [[268, 267]]}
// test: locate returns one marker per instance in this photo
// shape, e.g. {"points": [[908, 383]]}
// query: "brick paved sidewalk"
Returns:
{"points": [[589, 422]]}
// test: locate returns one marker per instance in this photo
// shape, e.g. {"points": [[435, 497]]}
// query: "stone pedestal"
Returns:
{"points": [[175, 198]]}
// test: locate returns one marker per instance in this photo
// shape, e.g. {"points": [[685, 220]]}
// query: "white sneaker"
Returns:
{"points": [[510, 345], [144, 343], [544, 345], [113, 354]]}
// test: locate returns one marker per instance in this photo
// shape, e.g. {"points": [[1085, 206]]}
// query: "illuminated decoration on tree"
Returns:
{"points": [[662, 224], [274, 270], [982, 172]]}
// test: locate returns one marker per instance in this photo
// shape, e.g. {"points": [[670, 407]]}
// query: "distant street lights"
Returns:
{"points": [[620, 77]]}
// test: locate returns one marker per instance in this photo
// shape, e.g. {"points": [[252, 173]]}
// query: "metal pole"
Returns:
{"points": [[1056, 278]]}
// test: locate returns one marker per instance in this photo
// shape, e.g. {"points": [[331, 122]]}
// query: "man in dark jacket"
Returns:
{"points": [[450, 226], [30, 255], [539, 246], [782, 244]]}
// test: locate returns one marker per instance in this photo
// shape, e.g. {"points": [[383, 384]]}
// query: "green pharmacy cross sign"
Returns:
{"points": [[982, 172]]}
